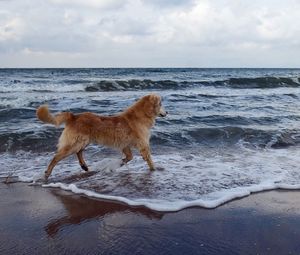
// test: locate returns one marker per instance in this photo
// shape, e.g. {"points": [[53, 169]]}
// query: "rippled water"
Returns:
{"points": [[229, 132]]}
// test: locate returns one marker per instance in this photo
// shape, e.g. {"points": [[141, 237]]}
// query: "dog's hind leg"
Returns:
{"points": [[128, 155], [81, 160], [61, 154]]}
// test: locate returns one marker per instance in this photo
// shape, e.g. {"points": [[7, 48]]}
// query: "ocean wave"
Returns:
{"points": [[107, 85], [227, 136], [119, 85], [263, 82], [22, 130], [234, 135], [238, 83], [35, 141], [7, 114], [45, 138]]}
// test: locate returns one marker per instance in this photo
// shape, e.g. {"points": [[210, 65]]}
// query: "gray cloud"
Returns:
{"points": [[169, 3], [150, 33]]}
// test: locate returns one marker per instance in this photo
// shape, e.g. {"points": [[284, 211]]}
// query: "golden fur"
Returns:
{"points": [[129, 129]]}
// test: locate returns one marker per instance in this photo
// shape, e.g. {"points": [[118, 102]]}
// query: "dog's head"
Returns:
{"points": [[153, 106]]}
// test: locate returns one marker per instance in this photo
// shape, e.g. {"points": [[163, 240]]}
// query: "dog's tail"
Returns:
{"points": [[44, 115]]}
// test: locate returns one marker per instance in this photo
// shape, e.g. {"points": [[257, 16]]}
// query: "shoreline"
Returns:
{"points": [[35, 220], [151, 205]]}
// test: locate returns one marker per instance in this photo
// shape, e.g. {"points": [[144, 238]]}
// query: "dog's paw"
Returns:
{"points": [[39, 178], [156, 168], [85, 168], [10, 179], [39, 181]]}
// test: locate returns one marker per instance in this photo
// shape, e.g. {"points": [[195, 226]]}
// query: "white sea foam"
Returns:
{"points": [[207, 179], [49, 87], [176, 205]]}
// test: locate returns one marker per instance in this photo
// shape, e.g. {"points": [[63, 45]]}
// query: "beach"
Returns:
{"points": [[35, 220]]}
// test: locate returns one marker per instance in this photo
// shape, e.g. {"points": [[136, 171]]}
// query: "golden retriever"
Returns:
{"points": [[129, 129]]}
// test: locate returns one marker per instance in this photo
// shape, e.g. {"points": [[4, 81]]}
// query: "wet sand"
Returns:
{"points": [[35, 220]]}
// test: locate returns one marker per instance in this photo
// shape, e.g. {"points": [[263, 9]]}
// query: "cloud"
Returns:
{"points": [[152, 33], [11, 29], [168, 3], [101, 4]]}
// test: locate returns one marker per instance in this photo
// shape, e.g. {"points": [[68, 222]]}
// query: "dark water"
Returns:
{"points": [[227, 128]]}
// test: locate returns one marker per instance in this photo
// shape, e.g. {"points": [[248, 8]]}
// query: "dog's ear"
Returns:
{"points": [[152, 105], [154, 99]]}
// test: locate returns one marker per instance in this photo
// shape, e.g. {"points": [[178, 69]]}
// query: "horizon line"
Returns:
{"points": [[149, 67]]}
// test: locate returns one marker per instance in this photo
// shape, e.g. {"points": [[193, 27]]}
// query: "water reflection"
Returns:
{"points": [[80, 209]]}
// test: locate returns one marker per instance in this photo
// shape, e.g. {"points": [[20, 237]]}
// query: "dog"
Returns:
{"points": [[126, 130]]}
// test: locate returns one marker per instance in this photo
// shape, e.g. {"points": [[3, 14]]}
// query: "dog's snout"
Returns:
{"points": [[163, 114]]}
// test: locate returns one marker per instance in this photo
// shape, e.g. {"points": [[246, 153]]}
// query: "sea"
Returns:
{"points": [[228, 133]]}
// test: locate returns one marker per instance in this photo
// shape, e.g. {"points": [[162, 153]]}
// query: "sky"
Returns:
{"points": [[145, 33]]}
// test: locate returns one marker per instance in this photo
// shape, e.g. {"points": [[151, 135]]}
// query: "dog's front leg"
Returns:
{"points": [[145, 152]]}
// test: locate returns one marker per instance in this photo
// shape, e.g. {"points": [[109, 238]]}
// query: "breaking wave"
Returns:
{"points": [[240, 83]]}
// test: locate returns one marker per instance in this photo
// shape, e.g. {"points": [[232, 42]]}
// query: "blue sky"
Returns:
{"points": [[157, 33]]}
